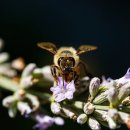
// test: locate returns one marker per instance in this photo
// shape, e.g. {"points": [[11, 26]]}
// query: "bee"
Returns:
{"points": [[67, 63]]}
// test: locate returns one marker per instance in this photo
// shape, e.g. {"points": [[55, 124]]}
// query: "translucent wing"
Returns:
{"points": [[85, 48], [48, 46]]}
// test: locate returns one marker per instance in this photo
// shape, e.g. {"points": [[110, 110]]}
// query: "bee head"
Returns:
{"points": [[66, 58], [66, 63]]}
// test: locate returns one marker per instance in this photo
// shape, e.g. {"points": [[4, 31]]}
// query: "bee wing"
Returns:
{"points": [[48, 46], [85, 48]]}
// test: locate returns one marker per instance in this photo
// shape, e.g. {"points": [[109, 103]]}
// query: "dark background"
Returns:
{"points": [[68, 23]]}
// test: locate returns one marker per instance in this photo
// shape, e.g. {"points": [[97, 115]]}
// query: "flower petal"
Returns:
{"points": [[71, 86], [58, 121], [59, 97], [55, 90], [69, 95]]}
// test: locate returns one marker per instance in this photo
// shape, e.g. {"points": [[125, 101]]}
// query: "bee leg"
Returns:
{"points": [[54, 72], [87, 73], [75, 77]]}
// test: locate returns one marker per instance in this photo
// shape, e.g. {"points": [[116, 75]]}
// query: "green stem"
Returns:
{"points": [[126, 109], [10, 85], [45, 96], [102, 107], [78, 104]]}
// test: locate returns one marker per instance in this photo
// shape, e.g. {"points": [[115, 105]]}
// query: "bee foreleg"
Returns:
{"points": [[54, 72]]}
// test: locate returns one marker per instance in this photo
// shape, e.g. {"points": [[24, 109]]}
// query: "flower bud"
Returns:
{"points": [[124, 117], [88, 108], [112, 124], [93, 124], [37, 73], [26, 82], [46, 71], [113, 113], [102, 97], [24, 108], [28, 70], [34, 101], [12, 111], [58, 121], [55, 107], [100, 115], [113, 96], [6, 70], [18, 63], [9, 101], [124, 91], [94, 86], [82, 118], [4, 57], [69, 113]]}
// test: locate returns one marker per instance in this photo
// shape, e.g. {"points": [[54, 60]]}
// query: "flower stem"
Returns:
{"points": [[126, 109], [8, 84], [45, 96], [105, 108]]}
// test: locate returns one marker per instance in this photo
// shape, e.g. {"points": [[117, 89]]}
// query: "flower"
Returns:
{"points": [[63, 90], [113, 113], [124, 117], [112, 94], [105, 81], [24, 108], [93, 124], [24, 102], [55, 107], [45, 72], [44, 121], [112, 124], [82, 118], [88, 108], [27, 77], [94, 86], [124, 91], [100, 98], [58, 121], [125, 79]]}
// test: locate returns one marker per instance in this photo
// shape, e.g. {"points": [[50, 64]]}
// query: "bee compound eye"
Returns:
{"points": [[59, 60]]}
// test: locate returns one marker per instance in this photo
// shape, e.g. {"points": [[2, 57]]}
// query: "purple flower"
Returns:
{"points": [[105, 81], [44, 122], [125, 79], [63, 90]]}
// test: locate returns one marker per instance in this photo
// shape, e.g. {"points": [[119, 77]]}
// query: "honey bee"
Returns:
{"points": [[67, 63]]}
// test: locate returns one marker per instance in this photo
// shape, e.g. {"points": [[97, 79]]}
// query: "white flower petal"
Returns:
{"points": [[69, 95], [58, 121], [60, 97]]}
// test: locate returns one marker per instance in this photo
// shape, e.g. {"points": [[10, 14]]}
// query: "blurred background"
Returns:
{"points": [[67, 23]]}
